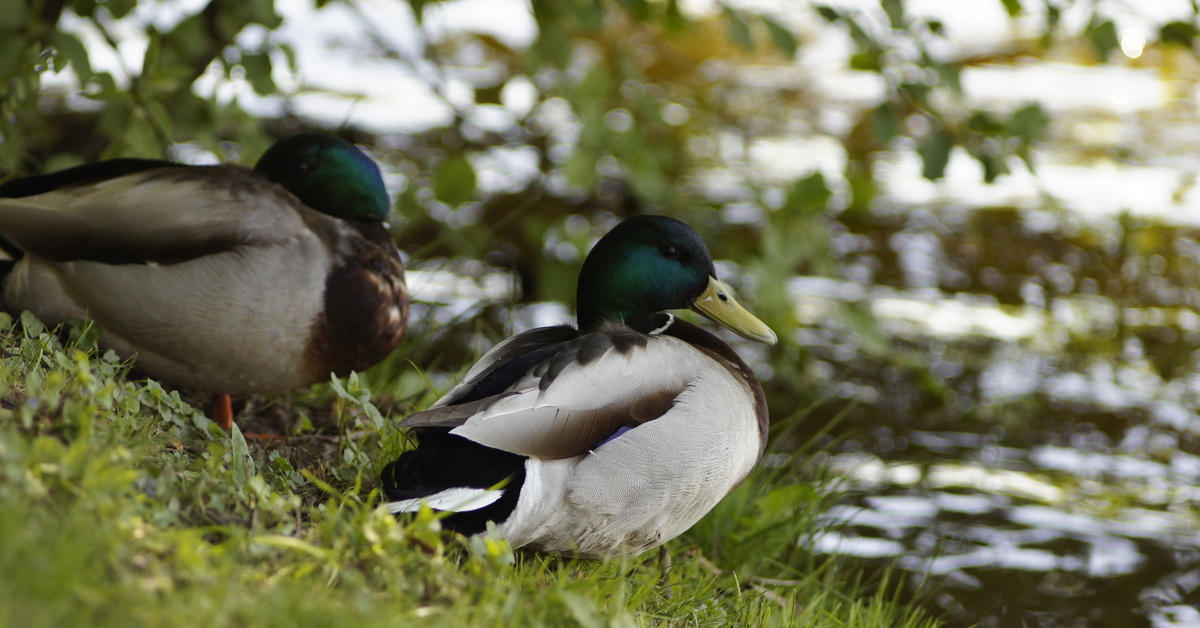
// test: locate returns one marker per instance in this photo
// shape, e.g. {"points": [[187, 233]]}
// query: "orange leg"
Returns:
{"points": [[222, 411]]}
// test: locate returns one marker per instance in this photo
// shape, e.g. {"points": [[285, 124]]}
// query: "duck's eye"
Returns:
{"points": [[670, 251], [304, 167]]}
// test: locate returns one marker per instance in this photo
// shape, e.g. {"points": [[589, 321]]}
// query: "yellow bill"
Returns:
{"points": [[717, 303]]}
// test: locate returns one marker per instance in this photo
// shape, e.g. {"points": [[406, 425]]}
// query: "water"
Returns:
{"points": [[1038, 463], [1026, 446]]}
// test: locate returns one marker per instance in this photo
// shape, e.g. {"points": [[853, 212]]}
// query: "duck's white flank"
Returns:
{"points": [[695, 436]]}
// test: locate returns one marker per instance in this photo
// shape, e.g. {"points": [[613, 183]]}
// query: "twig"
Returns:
{"points": [[770, 595], [664, 580], [775, 581]]}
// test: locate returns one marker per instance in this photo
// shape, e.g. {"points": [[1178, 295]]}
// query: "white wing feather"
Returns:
{"points": [[451, 499]]}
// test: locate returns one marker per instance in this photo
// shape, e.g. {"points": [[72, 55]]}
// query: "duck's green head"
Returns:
{"points": [[328, 174], [648, 264]]}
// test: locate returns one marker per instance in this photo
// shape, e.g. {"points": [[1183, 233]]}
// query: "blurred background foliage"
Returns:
{"points": [[615, 107]]}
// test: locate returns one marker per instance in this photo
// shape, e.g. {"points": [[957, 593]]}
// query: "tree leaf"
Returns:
{"points": [[290, 54], [1181, 33], [885, 122], [1028, 122], [895, 13], [156, 113], [418, 9], [454, 182], [154, 52], [589, 16], [82, 8], [1053, 17], [262, 12], [1025, 155], [674, 17], [13, 16], [951, 75], [489, 94], [738, 30], [258, 72], [809, 195], [867, 60], [935, 153], [993, 166], [783, 39], [984, 123], [12, 55], [73, 50], [859, 34], [639, 9], [119, 8], [1013, 7], [1103, 37]]}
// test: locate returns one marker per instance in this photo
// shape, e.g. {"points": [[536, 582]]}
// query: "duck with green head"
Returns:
{"points": [[611, 438], [218, 278]]}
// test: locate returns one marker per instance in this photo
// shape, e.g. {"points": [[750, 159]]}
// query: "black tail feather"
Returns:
{"points": [[442, 461]]}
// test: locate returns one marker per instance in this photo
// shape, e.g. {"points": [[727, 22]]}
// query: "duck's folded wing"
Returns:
{"points": [[542, 432], [80, 175], [509, 358], [571, 403], [160, 215]]}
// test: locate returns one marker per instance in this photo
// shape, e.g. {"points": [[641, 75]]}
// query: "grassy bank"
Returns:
{"points": [[122, 505]]}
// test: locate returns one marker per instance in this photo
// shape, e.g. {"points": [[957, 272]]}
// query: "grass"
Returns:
{"points": [[122, 505]]}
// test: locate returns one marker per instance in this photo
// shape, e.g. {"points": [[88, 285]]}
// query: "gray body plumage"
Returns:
{"points": [[213, 276]]}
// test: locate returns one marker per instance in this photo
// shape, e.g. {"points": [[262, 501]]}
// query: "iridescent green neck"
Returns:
{"points": [[627, 279], [622, 292]]}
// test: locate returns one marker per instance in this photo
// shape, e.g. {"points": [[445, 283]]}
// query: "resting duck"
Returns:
{"points": [[218, 278], [611, 438]]}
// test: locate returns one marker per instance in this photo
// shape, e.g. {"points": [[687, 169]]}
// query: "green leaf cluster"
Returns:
{"points": [[143, 111]]}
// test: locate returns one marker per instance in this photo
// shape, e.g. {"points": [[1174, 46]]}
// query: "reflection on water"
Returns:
{"points": [[1036, 461]]}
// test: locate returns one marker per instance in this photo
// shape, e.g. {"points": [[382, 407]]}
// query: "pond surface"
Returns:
{"points": [[1018, 361], [1036, 464]]}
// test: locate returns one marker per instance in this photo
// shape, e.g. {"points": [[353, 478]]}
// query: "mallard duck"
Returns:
{"points": [[218, 278], [611, 438]]}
